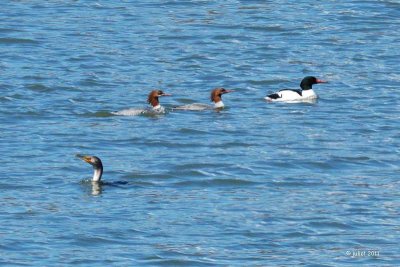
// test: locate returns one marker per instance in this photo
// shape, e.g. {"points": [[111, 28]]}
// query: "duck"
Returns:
{"points": [[215, 97], [152, 100], [305, 93]]}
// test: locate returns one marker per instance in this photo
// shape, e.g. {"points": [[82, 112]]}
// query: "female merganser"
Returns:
{"points": [[216, 97], [152, 99], [97, 166], [306, 93]]}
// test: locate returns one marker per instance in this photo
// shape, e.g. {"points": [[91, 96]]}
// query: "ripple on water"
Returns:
{"points": [[17, 41], [98, 114], [193, 131], [14, 186], [218, 182], [38, 87], [178, 262], [148, 177], [331, 225]]}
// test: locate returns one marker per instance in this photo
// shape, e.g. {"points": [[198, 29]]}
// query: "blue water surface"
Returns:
{"points": [[256, 184]]}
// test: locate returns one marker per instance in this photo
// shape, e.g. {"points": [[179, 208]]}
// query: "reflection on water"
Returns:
{"points": [[92, 187], [97, 188]]}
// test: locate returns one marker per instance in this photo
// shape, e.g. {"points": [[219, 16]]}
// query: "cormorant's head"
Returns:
{"points": [[216, 94], [308, 82], [92, 160]]}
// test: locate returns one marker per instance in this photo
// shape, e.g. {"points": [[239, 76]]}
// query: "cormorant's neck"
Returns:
{"points": [[98, 172]]}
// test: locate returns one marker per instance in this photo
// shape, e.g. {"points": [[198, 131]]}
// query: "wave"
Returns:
{"points": [[129, 112], [139, 112], [8, 40], [194, 107], [217, 182]]}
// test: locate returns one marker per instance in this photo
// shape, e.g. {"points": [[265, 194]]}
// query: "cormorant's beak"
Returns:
{"points": [[321, 81], [84, 158]]}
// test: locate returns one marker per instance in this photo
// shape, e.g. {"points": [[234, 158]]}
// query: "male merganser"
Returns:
{"points": [[97, 166], [216, 97], [152, 99], [306, 93]]}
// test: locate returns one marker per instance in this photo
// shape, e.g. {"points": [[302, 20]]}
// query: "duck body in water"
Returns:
{"points": [[215, 97], [304, 93], [155, 106]]}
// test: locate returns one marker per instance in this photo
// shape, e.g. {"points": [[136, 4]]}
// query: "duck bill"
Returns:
{"points": [[228, 91], [165, 95], [321, 81]]}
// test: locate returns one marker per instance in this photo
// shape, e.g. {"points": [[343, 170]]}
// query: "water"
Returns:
{"points": [[257, 184]]}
